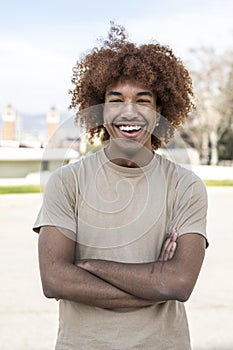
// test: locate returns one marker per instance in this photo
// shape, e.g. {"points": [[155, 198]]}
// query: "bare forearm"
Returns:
{"points": [[83, 287], [61, 279], [157, 281], [142, 280]]}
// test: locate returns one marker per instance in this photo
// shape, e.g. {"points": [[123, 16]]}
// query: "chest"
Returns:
{"points": [[122, 219]]}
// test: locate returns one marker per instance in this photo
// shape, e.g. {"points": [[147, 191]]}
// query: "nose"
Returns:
{"points": [[129, 110]]}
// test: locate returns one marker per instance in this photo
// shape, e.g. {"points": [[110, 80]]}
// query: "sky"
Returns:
{"points": [[40, 41]]}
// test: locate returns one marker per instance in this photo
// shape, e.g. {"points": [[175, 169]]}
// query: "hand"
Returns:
{"points": [[169, 247]]}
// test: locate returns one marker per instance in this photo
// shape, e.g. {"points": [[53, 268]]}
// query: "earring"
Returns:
{"points": [[157, 123]]}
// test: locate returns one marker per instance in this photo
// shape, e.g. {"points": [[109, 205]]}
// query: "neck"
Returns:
{"points": [[133, 159]]}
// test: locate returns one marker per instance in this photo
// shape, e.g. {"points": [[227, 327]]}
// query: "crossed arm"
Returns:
{"points": [[109, 284]]}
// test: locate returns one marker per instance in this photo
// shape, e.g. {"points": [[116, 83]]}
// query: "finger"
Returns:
{"points": [[174, 235], [172, 250], [165, 246], [168, 250]]}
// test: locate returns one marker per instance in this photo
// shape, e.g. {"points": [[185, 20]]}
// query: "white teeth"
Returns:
{"points": [[130, 127]]}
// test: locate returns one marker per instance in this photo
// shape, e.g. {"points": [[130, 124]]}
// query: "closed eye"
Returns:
{"points": [[142, 100], [115, 100]]}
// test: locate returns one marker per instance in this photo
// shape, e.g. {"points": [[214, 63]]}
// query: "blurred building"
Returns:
{"points": [[20, 162], [11, 127], [53, 120], [9, 124], [23, 154]]}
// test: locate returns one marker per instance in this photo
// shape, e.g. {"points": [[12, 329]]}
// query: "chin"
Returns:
{"points": [[129, 145]]}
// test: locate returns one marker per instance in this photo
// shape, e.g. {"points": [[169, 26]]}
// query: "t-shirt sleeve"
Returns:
{"points": [[190, 207], [59, 202]]}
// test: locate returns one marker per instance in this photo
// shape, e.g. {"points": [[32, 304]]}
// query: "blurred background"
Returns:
{"points": [[40, 42]]}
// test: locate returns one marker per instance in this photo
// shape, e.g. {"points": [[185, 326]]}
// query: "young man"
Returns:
{"points": [[123, 231]]}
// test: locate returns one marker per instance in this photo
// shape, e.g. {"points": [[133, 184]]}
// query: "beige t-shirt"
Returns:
{"points": [[123, 214]]}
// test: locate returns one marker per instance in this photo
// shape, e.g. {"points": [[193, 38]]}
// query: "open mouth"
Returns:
{"points": [[130, 130]]}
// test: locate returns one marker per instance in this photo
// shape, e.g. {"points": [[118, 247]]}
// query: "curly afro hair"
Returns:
{"points": [[153, 65]]}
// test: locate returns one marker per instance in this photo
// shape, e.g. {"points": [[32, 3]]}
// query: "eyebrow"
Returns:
{"points": [[141, 93], [145, 93], [114, 93]]}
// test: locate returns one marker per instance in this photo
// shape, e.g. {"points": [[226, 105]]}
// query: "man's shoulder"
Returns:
{"points": [[177, 172], [75, 167], [71, 173]]}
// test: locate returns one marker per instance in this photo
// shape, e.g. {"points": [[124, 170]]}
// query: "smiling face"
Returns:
{"points": [[130, 115]]}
